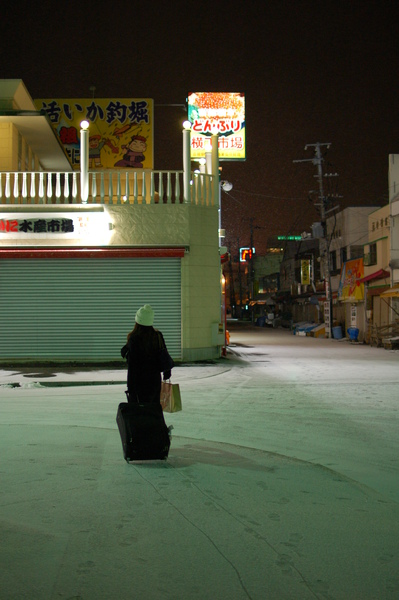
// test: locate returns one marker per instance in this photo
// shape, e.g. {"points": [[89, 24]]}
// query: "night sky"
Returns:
{"points": [[312, 71]]}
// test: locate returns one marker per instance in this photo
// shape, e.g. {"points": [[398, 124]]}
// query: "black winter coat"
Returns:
{"points": [[143, 375]]}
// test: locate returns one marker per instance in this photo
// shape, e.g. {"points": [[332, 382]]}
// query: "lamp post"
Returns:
{"points": [[186, 161], [84, 161]]}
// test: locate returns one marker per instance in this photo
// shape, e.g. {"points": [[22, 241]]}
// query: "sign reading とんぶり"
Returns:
{"points": [[217, 113]]}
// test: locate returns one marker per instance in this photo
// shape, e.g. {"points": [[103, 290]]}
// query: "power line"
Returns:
{"points": [[267, 196]]}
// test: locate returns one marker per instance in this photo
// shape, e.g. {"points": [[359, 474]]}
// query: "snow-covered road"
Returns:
{"points": [[281, 483]]}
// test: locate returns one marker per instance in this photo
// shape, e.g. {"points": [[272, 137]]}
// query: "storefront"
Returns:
{"points": [[78, 305], [72, 278]]}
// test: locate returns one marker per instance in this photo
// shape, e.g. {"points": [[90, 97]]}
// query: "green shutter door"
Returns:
{"points": [[82, 309]]}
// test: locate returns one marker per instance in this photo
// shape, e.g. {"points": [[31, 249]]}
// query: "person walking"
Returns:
{"points": [[142, 352]]}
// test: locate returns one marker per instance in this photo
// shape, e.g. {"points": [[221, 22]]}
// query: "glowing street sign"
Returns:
{"points": [[246, 254], [305, 272], [221, 113]]}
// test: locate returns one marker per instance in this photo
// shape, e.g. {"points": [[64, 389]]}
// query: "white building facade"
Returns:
{"points": [[73, 273]]}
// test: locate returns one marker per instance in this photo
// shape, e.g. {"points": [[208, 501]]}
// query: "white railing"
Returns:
{"points": [[106, 187]]}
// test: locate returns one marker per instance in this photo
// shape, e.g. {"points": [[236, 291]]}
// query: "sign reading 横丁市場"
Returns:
{"points": [[218, 113]]}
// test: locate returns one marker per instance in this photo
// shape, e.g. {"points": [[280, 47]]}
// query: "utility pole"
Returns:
{"points": [[317, 160], [233, 302], [251, 267], [239, 278]]}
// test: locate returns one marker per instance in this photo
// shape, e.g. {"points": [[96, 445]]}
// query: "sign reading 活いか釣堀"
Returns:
{"points": [[217, 113], [120, 130]]}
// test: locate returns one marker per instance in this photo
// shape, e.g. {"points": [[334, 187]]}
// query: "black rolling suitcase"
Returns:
{"points": [[143, 431]]}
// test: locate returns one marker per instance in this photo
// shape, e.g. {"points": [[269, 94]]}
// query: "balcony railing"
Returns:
{"points": [[107, 187]]}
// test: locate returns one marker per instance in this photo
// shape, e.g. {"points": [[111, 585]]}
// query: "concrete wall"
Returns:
{"points": [[196, 228], [393, 176], [9, 150], [7, 143], [379, 233], [393, 187], [201, 286]]}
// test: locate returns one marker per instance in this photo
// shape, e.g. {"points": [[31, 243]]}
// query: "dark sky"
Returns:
{"points": [[312, 71]]}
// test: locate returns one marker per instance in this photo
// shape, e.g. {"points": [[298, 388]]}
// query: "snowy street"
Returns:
{"points": [[282, 481]]}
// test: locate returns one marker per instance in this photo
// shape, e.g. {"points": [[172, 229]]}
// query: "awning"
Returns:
{"points": [[392, 292], [381, 274], [224, 258], [108, 252]]}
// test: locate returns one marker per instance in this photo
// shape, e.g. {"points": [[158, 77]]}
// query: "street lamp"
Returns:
{"points": [[226, 186], [186, 161], [84, 161]]}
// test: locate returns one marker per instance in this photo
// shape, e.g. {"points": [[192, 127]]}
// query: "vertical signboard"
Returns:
{"points": [[351, 288], [120, 132], [305, 272], [221, 113]]}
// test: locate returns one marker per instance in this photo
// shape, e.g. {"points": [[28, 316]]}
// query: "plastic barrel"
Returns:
{"points": [[353, 333], [337, 332]]}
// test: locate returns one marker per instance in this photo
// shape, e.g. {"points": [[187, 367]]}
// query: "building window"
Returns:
{"points": [[373, 254], [356, 252], [344, 254], [333, 260]]}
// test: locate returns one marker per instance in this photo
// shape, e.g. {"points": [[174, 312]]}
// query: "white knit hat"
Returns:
{"points": [[145, 315]]}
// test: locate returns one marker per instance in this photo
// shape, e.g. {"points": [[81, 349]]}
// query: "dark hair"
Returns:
{"points": [[148, 337], [139, 330]]}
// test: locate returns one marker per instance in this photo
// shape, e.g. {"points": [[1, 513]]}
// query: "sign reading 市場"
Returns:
{"points": [[68, 225], [221, 113]]}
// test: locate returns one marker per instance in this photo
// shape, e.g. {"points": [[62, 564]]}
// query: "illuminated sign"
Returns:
{"points": [[46, 225], [221, 113], [120, 132], [36, 226], [305, 272], [246, 254], [290, 238]]}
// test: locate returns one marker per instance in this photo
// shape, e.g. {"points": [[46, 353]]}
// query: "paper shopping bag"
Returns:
{"points": [[170, 397]]}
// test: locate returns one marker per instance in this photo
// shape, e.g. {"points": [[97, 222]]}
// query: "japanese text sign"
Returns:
{"points": [[120, 130], [218, 113], [31, 227]]}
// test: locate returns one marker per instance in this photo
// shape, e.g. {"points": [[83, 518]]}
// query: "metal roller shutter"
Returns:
{"points": [[82, 309]]}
